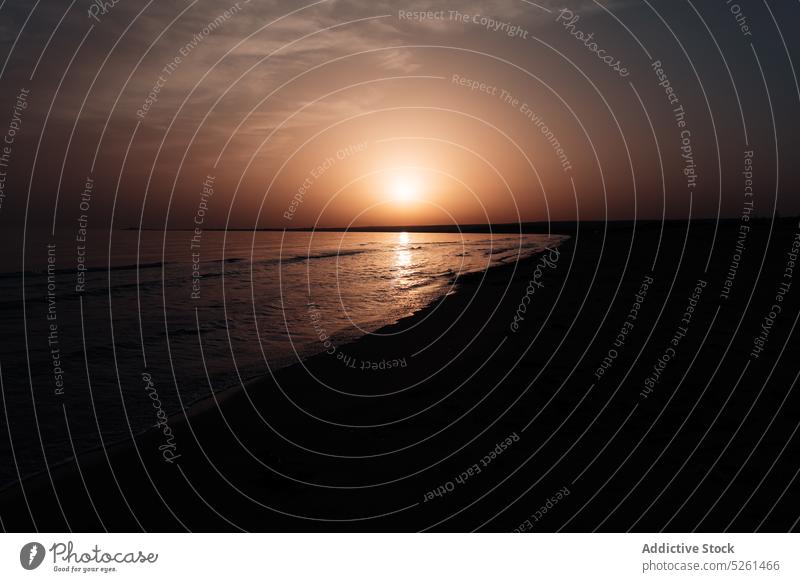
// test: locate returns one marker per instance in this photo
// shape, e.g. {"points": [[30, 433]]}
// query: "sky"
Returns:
{"points": [[176, 114]]}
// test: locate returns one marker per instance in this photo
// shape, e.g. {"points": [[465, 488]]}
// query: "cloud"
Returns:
{"points": [[245, 50]]}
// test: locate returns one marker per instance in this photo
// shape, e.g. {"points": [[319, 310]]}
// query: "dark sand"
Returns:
{"points": [[254, 460]]}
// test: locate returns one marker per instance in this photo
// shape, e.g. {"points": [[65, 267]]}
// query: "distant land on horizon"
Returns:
{"points": [[502, 228]]}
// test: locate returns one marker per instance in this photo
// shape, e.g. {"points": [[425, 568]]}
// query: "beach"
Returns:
{"points": [[595, 385]]}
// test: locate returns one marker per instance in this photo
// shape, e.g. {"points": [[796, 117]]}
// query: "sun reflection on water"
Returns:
{"points": [[402, 257]]}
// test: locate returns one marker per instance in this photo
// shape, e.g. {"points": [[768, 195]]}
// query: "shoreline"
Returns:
{"points": [[364, 451], [203, 404]]}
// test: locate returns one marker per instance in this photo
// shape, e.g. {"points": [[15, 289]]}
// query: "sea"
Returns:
{"points": [[91, 323]]}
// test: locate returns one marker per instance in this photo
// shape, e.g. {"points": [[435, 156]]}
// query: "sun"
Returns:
{"points": [[404, 189]]}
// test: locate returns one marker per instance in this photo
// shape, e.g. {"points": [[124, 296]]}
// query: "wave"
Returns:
{"points": [[107, 269], [304, 258]]}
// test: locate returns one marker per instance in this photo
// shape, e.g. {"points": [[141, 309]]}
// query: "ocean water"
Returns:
{"points": [[104, 318]]}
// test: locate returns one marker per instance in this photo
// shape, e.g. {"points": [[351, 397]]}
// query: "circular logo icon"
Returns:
{"points": [[31, 555]]}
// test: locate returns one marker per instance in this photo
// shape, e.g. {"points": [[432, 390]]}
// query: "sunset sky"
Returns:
{"points": [[344, 112]]}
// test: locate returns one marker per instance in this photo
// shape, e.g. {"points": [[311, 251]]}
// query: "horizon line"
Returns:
{"points": [[471, 227]]}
